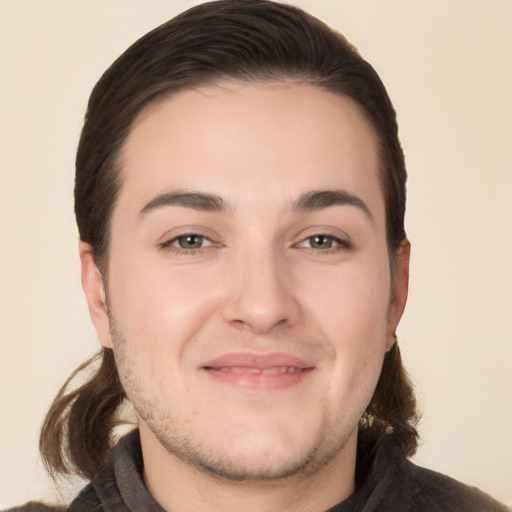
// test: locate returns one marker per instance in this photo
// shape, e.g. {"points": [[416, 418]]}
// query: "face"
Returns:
{"points": [[250, 302]]}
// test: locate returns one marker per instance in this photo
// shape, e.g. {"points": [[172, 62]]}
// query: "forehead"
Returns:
{"points": [[236, 139]]}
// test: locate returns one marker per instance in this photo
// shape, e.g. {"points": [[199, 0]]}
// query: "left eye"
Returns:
{"points": [[190, 241], [322, 242]]}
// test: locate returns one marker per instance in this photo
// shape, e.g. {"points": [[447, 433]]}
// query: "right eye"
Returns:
{"points": [[189, 242]]}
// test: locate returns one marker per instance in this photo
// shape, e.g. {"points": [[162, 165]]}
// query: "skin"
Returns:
{"points": [[271, 275]]}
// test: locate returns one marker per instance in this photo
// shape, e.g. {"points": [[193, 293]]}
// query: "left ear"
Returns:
{"points": [[399, 290]]}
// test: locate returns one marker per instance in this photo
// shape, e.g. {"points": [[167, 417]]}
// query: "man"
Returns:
{"points": [[240, 197]]}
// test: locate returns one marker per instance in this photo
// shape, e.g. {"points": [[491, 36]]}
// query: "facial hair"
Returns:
{"points": [[173, 435]]}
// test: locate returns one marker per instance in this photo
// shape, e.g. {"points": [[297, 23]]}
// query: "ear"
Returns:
{"points": [[399, 290], [92, 284]]}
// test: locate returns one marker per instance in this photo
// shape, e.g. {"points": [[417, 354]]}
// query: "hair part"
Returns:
{"points": [[243, 40]]}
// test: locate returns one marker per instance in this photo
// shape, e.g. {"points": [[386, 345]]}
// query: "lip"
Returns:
{"points": [[250, 371]]}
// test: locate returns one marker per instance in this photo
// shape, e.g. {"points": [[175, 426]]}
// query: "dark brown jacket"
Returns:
{"points": [[387, 482]]}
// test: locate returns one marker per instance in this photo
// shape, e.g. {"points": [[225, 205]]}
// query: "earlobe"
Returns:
{"points": [[94, 289], [400, 288]]}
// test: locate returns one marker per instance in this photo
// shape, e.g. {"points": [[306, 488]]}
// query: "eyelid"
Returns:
{"points": [[170, 242], [341, 244], [185, 230], [340, 236]]}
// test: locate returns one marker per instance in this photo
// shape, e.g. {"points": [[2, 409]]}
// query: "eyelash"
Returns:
{"points": [[169, 244], [339, 244]]}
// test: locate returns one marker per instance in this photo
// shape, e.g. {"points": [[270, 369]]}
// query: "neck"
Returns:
{"points": [[178, 486]]}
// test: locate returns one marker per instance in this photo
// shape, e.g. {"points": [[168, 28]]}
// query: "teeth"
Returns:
{"points": [[264, 371], [274, 371]]}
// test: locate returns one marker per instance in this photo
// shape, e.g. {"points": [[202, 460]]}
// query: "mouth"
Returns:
{"points": [[258, 371], [276, 370]]}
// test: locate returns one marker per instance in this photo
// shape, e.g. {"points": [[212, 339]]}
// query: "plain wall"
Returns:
{"points": [[447, 66]]}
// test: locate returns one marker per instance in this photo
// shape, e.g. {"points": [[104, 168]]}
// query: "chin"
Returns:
{"points": [[243, 466], [264, 455]]}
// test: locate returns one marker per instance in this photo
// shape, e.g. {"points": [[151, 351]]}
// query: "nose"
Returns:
{"points": [[261, 294]]}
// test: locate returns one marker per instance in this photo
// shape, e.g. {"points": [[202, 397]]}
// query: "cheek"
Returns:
{"points": [[159, 304], [350, 310], [351, 303]]}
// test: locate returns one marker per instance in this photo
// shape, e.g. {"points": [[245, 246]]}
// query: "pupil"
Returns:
{"points": [[321, 241], [191, 242]]}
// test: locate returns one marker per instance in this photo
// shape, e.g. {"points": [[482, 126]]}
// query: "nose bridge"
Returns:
{"points": [[261, 296]]}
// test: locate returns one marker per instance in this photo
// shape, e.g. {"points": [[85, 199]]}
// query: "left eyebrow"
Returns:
{"points": [[318, 200]]}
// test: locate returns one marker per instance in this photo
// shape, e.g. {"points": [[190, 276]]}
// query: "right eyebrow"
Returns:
{"points": [[194, 200]]}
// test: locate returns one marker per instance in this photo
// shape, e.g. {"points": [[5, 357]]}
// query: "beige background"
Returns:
{"points": [[447, 66]]}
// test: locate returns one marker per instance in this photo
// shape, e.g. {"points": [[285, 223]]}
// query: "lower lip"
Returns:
{"points": [[259, 381]]}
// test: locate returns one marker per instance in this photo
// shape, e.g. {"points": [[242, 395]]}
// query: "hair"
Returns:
{"points": [[243, 40]]}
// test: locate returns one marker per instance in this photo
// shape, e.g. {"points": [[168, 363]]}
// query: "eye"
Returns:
{"points": [[324, 242], [190, 242]]}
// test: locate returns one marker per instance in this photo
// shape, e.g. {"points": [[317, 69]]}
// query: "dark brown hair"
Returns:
{"points": [[245, 40]]}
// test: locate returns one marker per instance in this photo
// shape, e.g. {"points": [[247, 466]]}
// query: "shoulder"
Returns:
{"points": [[36, 506], [432, 491], [398, 485]]}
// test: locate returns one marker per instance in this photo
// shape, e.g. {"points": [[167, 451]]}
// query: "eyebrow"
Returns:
{"points": [[318, 200], [194, 200], [311, 201]]}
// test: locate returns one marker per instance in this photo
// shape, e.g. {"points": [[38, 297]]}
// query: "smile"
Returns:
{"points": [[258, 372], [277, 370]]}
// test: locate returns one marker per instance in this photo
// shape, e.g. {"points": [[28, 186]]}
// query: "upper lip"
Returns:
{"points": [[260, 361]]}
